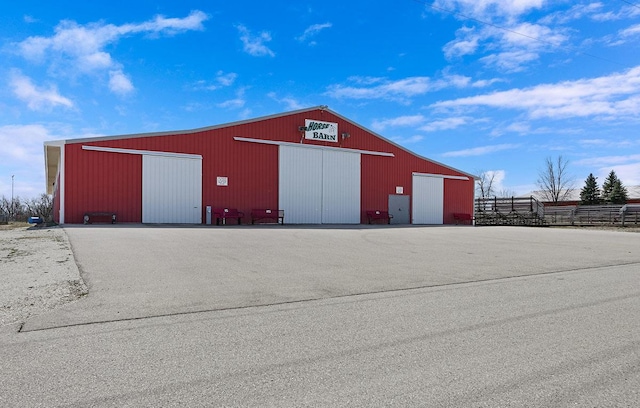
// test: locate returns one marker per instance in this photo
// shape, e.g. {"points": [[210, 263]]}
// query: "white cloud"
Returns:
{"points": [[80, 49], [613, 96], [312, 31], [608, 161], [290, 102], [511, 61], [519, 127], [483, 83], [631, 31], [226, 79], [22, 154], [467, 43], [119, 83], [407, 140], [222, 80], [446, 124], [509, 44], [480, 151], [629, 174], [485, 9], [398, 90], [235, 103], [576, 12], [255, 45], [22, 143], [409, 120], [498, 176], [630, 11], [36, 98]]}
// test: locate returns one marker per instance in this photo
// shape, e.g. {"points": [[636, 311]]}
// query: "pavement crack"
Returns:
{"points": [[315, 299]]}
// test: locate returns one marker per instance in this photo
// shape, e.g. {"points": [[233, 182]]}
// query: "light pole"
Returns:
{"points": [[11, 214]]}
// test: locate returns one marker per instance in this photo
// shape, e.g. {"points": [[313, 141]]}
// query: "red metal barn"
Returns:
{"points": [[317, 166]]}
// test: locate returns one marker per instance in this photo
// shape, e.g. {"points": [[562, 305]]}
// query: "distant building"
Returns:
{"points": [[573, 198]]}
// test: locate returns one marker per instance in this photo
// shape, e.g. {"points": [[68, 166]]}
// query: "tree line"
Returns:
{"points": [[555, 184], [20, 209], [612, 192]]}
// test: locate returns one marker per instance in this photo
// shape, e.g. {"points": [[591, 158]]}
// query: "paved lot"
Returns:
{"points": [[497, 317], [137, 271]]}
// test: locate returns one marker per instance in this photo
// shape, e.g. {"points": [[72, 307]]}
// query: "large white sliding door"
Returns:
{"points": [[319, 185], [300, 184], [340, 187], [427, 200], [171, 190]]}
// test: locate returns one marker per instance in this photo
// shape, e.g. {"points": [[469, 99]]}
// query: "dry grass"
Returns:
{"points": [[14, 225]]}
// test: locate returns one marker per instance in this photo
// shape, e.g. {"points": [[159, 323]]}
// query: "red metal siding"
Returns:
{"points": [[101, 181], [112, 181], [458, 198]]}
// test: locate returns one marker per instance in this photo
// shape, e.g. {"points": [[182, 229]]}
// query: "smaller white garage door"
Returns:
{"points": [[428, 199], [171, 190]]}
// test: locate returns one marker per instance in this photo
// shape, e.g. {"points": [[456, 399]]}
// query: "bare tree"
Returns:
{"points": [[21, 210], [506, 193], [554, 181], [484, 184], [41, 207]]}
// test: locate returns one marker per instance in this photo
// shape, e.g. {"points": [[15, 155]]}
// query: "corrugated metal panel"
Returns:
{"points": [[458, 198], [113, 182], [171, 190], [428, 200], [300, 185], [340, 187], [101, 182]]}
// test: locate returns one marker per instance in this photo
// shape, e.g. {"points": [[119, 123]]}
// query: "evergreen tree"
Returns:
{"points": [[618, 194], [607, 186], [590, 193]]}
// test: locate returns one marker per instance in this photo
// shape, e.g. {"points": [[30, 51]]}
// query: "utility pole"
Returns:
{"points": [[12, 209]]}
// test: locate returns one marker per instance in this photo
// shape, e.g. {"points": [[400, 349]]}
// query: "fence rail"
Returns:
{"points": [[509, 211], [585, 215]]}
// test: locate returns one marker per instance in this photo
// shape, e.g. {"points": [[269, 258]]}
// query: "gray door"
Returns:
{"points": [[399, 208]]}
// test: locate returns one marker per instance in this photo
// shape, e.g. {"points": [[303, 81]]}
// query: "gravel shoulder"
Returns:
{"points": [[37, 272]]}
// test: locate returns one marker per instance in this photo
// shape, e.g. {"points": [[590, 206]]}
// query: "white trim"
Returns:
{"points": [[441, 176], [141, 152], [279, 143]]}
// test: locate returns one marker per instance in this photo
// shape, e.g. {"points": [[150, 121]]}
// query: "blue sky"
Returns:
{"points": [[481, 85]]}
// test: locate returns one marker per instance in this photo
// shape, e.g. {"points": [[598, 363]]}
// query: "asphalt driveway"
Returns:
{"points": [[143, 271]]}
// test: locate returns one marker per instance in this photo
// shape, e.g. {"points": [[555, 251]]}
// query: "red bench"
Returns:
{"points": [[224, 213], [462, 217], [379, 215], [267, 214]]}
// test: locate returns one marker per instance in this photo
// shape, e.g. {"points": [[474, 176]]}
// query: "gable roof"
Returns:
{"points": [[52, 148]]}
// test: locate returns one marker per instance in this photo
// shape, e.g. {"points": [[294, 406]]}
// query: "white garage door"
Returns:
{"points": [[300, 184], [319, 186], [171, 190], [340, 187], [428, 200]]}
